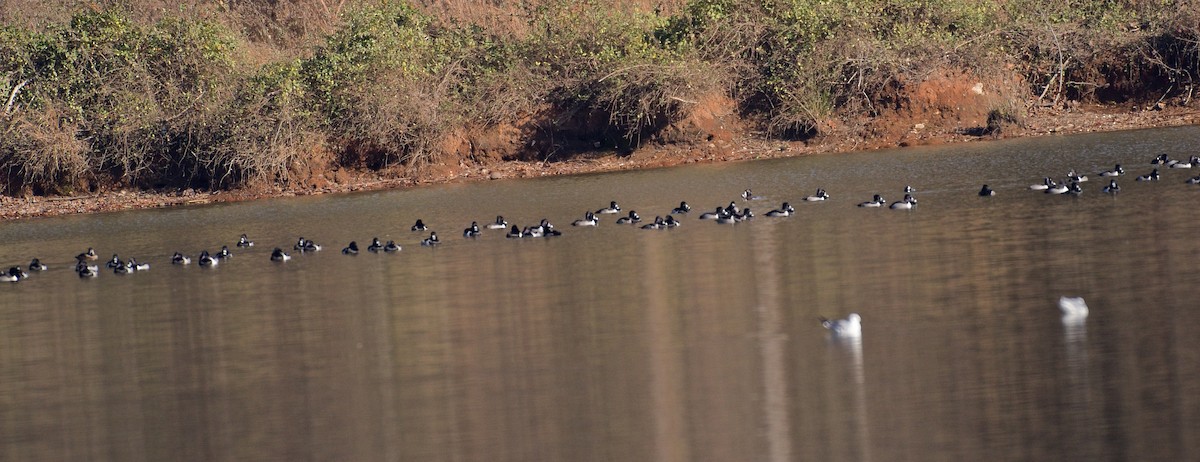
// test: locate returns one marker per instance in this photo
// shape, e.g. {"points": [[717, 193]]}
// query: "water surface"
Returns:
{"points": [[614, 343]]}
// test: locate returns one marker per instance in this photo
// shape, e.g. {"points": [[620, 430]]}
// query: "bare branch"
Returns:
{"points": [[13, 97]]}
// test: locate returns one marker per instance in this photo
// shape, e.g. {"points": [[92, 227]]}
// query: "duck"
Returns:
{"points": [[728, 219], [1058, 189], [1074, 188], [87, 271], [1161, 159], [391, 246], [986, 191], [713, 215], [747, 195], [1072, 306], [683, 208], [1192, 161], [657, 224], [671, 222], [1193, 180], [632, 218], [612, 208], [498, 224], [244, 242], [207, 260], [114, 262], [849, 327], [1116, 171], [90, 255], [351, 249], [1112, 187], [36, 265], [223, 253], [1152, 176], [375, 246], [909, 189], [305, 245], [745, 215], [531, 231], [135, 266], [819, 196], [515, 233], [472, 231], [548, 229], [1046, 183], [785, 210], [13, 274], [122, 269], [279, 255], [431, 241], [877, 201], [732, 209], [419, 226], [908, 203], [589, 219], [1073, 176], [180, 259]]}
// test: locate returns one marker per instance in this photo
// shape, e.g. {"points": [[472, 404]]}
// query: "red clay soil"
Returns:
{"points": [[945, 108]]}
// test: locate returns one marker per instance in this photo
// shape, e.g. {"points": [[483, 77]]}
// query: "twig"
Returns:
{"points": [[1164, 96], [13, 96], [622, 70]]}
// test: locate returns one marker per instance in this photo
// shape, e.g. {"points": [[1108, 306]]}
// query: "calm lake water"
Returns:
{"points": [[700, 343]]}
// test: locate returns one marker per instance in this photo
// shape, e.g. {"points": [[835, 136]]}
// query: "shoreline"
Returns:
{"points": [[741, 147]]}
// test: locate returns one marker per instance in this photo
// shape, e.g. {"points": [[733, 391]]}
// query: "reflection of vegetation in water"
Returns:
{"points": [[186, 99]]}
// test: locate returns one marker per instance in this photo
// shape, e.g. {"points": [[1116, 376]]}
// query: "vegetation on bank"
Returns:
{"points": [[186, 100]]}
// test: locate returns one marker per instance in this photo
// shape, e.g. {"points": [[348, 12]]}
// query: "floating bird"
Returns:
{"points": [[278, 255], [877, 201], [612, 208], [472, 231], [1072, 306], [13, 274], [498, 224], [908, 203], [849, 327], [589, 219], [244, 242], [89, 255], [1046, 183], [819, 196], [785, 210], [632, 218], [986, 191]]}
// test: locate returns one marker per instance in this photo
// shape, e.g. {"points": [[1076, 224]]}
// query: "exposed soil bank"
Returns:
{"points": [[722, 140]]}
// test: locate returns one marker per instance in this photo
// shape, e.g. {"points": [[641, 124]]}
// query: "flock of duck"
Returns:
{"points": [[729, 214]]}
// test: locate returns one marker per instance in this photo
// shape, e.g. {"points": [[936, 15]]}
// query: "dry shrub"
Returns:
{"points": [[397, 120], [42, 150], [644, 98]]}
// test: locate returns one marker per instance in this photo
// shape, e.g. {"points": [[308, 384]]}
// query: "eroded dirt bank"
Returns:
{"points": [[952, 109]]}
